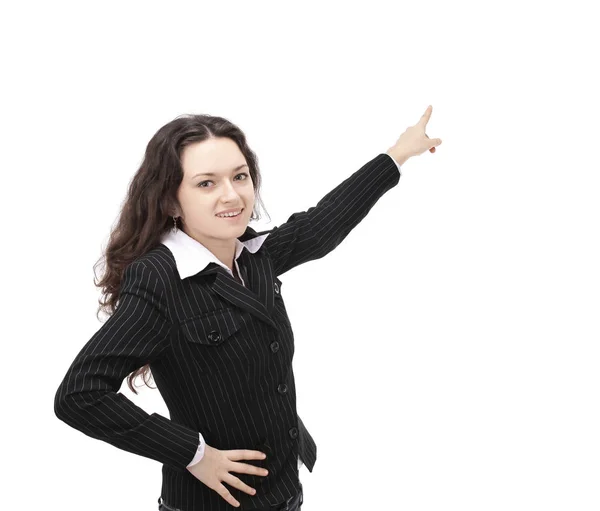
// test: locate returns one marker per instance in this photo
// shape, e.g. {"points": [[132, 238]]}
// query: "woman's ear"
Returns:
{"points": [[174, 211]]}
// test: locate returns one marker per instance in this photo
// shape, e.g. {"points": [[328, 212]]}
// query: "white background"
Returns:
{"points": [[446, 352]]}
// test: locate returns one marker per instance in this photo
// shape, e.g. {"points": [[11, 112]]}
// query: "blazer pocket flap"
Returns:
{"points": [[212, 328]]}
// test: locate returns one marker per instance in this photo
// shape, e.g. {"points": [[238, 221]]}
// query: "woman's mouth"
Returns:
{"points": [[231, 217]]}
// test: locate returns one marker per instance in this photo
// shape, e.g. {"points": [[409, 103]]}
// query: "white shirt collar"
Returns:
{"points": [[192, 257]]}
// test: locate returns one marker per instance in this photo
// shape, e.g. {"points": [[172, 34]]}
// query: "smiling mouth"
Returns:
{"points": [[232, 216]]}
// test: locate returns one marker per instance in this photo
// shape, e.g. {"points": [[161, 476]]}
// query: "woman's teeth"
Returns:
{"points": [[229, 215]]}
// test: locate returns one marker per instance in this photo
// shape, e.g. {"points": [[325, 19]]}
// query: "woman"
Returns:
{"points": [[195, 296]]}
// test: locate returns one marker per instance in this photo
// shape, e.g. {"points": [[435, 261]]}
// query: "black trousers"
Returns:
{"points": [[292, 504]]}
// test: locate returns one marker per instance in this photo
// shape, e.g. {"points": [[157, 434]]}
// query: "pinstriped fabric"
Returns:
{"points": [[220, 353], [313, 233]]}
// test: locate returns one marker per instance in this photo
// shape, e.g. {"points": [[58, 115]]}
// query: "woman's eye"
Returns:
{"points": [[202, 182]]}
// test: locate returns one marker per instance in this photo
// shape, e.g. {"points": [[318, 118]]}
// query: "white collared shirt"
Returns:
{"points": [[191, 256]]}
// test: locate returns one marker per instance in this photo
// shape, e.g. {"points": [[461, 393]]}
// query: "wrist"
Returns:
{"points": [[399, 157]]}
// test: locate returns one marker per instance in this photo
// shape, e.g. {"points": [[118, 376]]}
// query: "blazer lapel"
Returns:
{"points": [[259, 277]]}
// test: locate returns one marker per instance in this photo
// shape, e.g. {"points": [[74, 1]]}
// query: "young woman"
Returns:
{"points": [[195, 296]]}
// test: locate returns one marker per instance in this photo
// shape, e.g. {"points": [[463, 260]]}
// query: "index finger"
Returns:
{"points": [[245, 454], [426, 116]]}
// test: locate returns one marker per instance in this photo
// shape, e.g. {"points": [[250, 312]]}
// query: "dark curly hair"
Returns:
{"points": [[152, 197]]}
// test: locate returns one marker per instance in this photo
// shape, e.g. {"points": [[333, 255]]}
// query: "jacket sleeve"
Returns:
{"points": [[311, 234], [88, 399]]}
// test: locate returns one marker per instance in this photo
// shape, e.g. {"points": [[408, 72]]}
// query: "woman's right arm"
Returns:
{"points": [[88, 399]]}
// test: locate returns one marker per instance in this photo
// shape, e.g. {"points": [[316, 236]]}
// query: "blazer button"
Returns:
{"points": [[294, 432], [214, 337], [274, 346], [282, 388], [276, 288]]}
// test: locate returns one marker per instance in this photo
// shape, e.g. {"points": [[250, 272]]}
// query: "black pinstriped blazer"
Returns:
{"points": [[220, 354]]}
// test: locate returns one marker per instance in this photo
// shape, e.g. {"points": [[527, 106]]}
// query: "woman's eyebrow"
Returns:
{"points": [[213, 174]]}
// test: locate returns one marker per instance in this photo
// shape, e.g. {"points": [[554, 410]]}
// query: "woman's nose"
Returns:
{"points": [[230, 195]]}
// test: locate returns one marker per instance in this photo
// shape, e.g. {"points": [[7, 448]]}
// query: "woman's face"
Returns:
{"points": [[202, 196]]}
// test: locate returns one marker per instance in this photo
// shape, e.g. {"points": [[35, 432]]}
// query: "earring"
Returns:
{"points": [[174, 225]]}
